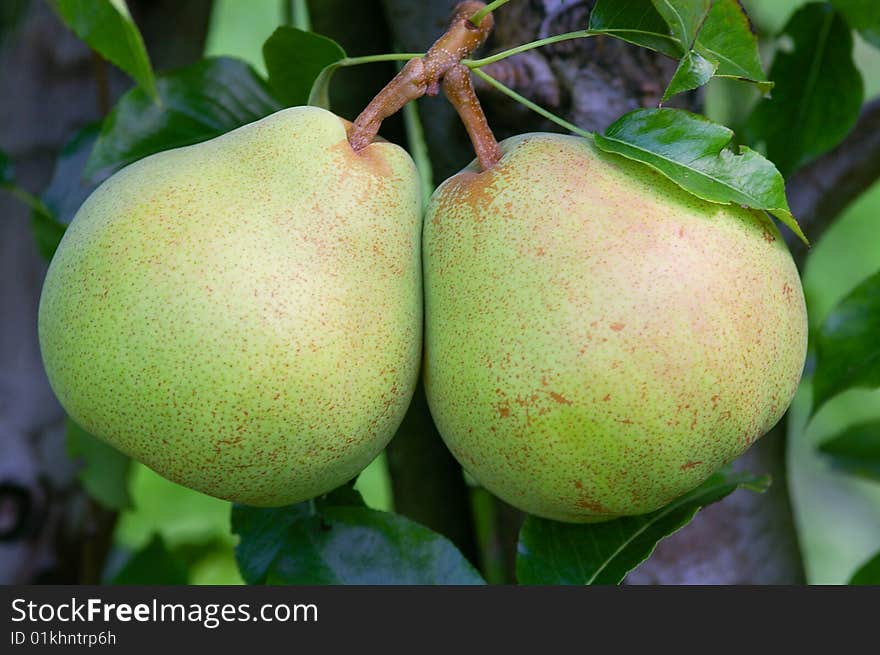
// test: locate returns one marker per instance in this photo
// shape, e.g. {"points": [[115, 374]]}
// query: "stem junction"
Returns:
{"points": [[423, 76]]}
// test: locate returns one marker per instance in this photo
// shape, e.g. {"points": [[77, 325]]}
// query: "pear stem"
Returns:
{"points": [[460, 90], [422, 76]]}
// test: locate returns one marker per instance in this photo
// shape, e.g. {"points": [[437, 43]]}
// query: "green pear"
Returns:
{"points": [[598, 340], [244, 315]]}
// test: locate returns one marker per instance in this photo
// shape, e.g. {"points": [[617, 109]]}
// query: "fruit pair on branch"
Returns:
{"points": [[246, 315]]}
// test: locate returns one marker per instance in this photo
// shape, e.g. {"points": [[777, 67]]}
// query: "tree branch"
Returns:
{"points": [[821, 190]]}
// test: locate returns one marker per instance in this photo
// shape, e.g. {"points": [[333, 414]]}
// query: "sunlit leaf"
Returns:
{"points": [[106, 26], [684, 18], [694, 153], [693, 71], [728, 41]]}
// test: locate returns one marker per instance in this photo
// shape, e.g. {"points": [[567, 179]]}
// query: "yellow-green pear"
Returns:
{"points": [[598, 340], [243, 315]]}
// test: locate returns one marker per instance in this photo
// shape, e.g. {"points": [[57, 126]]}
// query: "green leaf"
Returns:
{"points": [[47, 233], [104, 471], [693, 152], [66, 192], [323, 543], [106, 26], [818, 92], [199, 103], [868, 573], [295, 60], [263, 532], [356, 545], [693, 72], [847, 344], [856, 449], [69, 188], [344, 496], [319, 95], [721, 38], [7, 178], [636, 22], [728, 41], [154, 564], [862, 15], [47, 230], [684, 18], [603, 553]]}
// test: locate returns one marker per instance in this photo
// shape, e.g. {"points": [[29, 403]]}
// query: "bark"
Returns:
{"points": [[49, 530]]}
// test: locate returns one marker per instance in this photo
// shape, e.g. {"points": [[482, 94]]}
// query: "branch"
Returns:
{"points": [[423, 75], [821, 190]]}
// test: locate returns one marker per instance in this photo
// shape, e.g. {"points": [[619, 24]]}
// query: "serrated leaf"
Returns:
{"points": [[693, 152], [847, 344], [856, 450], [199, 102], [106, 26], [153, 564], [727, 40], [295, 60], [723, 36], [104, 470], [818, 92], [862, 15], [868, 573], [693, 71], [636, 22], [684, 18], [325, 543], [550, 552]]}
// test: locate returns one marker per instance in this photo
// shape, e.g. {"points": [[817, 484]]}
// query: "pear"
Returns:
{"points": [[598, 340], [244, 315]]}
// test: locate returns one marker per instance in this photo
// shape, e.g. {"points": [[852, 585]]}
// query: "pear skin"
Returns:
{"points": [[598, 340], [243, 315]]}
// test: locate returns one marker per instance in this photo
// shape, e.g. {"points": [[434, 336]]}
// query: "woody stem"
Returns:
{"points": [[423, 75], [460, 90]]}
